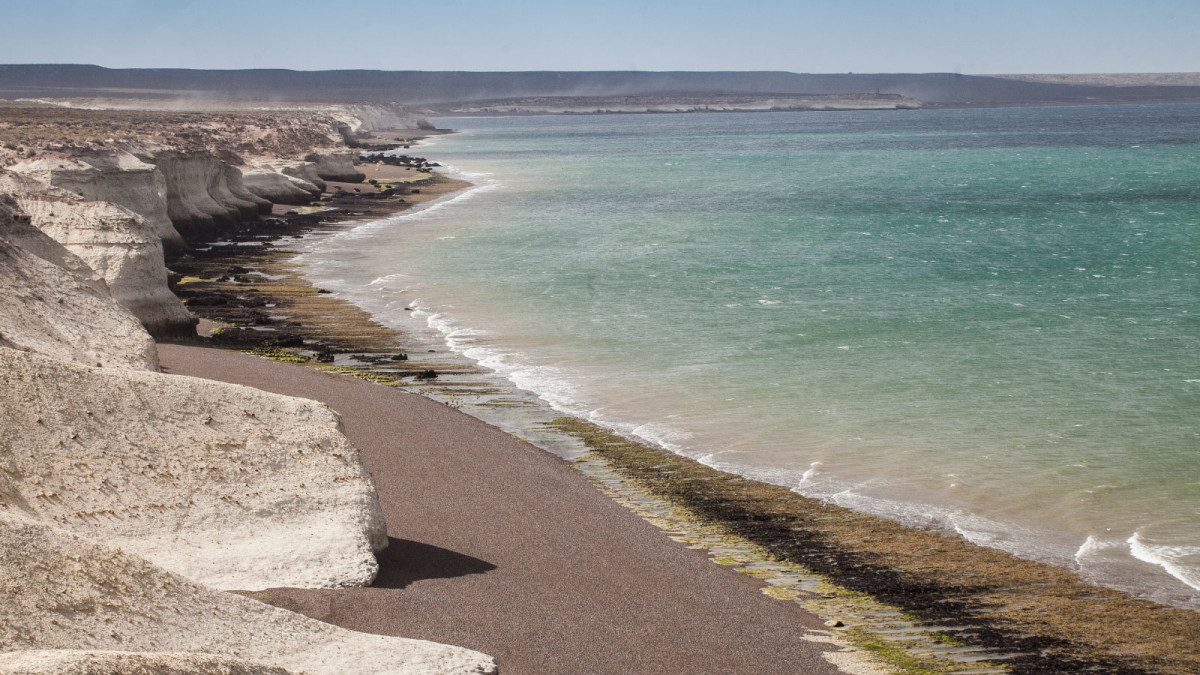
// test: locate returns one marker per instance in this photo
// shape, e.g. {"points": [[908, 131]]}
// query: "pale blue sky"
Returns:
{"points": [[819, 36]]}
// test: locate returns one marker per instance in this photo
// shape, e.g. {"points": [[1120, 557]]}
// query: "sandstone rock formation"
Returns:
{"points": [[117, 177], [375, 116], [277, 187], [227, 485], [65, 592], [205, 196], [305, 171], [16, 228], [336, 166], [107, 662], [52, 303], [115, 242]]}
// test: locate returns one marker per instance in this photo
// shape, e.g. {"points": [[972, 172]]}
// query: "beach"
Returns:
{"points": [[499, 546], [1032, 616], [859, 392]]}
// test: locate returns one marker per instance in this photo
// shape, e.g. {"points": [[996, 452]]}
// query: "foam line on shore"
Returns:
{"points": [[1165, 557], [554, 387]]}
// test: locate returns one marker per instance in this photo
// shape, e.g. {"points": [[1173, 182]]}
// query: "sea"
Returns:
{"points": [[980, 321]]}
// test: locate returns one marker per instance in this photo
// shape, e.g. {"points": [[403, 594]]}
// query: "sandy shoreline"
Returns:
{"points": [[1045, 618], [501, 547]]}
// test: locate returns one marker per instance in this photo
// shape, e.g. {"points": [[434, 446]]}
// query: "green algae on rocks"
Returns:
{"points": [[1046, 619]]}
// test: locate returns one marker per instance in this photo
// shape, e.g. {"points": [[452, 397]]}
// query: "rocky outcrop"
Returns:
{"points": [[101, 662], [376, 116], [16, 229], [116, 177], [336, 166], [248, 203], [277, 187], [305, 171], [115, 242], [191, 484], [205, 196], [65, 592], [230, 486], [52, 303]]}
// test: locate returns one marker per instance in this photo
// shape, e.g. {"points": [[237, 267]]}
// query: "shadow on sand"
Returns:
{"points": [[404, 562]]}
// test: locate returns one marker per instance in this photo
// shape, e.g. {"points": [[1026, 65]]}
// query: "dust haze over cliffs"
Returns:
{"points": [[429, 88]]}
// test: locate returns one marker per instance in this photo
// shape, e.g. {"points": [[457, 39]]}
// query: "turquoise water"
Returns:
{"points": [[981, 321]]}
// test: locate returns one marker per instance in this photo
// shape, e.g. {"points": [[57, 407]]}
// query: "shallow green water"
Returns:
{"points": [[981, 320]]}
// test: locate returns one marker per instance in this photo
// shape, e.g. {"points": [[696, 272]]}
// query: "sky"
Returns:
{"points": [[813, 36]]}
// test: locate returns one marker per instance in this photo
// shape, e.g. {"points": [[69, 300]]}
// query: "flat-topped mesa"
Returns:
{"points": [[336, 166], [117, 177], [229, 486], [205, 196], [64, 592], [52, 303], [118, 244]]}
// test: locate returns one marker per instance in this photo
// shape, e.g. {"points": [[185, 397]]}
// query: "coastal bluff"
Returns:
{"points": [[131, 499], [64, 592]]}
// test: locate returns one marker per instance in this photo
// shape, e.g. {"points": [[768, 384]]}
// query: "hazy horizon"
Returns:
{"points": [[867, 36]]}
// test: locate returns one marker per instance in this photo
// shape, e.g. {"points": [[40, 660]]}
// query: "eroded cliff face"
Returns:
{"points": [[376, 116], [279, 188], [104, 662], [16, 229], [118, 244], [205, 196], [184, 479], [65, 592], [113, 176], [52, 303], [229, 486], [336, 166], [305, 171]]}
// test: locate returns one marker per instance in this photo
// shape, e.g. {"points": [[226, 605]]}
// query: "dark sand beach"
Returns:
{"points": [[499, 546]]}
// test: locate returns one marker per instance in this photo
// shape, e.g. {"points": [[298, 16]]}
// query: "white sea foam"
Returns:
{"points": [[1021, 541], [547, 383], [387, 279], [1181, 562], [1090, 547], [322, 242], [808, 475]]}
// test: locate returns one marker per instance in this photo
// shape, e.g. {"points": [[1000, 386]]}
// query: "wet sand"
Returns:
{"points": [[502, 547]]}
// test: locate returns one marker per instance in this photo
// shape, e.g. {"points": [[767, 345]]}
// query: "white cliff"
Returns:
{"points": [[205, 196], [190, 484], [230, 486], [365, 117], [336, 166], [52, 303], [279, 188], [249, 204], [16, 229], [305, 171], [65, 592], [116, 177], [110, 662], [115, 242]]}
